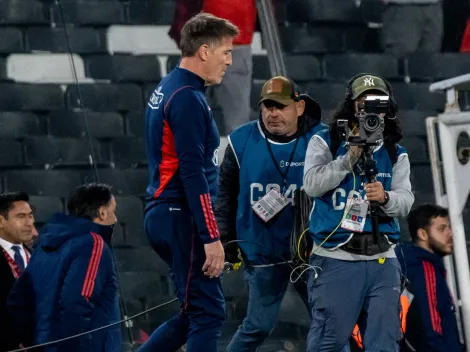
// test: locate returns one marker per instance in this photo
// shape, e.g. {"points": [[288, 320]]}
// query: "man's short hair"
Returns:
{"points": [[7, 200], [86, 200], [204, 28], [421, 217]]}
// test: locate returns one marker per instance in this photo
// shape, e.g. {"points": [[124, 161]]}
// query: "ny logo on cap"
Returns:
{"points": [[274, 86], [369, 81]]}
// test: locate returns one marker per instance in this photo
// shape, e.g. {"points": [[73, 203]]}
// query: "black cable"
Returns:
{"points": [[97, 329], [92, 153]]}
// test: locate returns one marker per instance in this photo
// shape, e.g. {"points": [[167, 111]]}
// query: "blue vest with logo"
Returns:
{"points": [[258, 176], [328, 209]]}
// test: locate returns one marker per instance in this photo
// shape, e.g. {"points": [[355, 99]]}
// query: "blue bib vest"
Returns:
{"points": [[258, 176], [328, 209]]}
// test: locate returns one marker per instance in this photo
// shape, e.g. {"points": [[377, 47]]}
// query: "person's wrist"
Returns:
{"points": [[386, 199]]}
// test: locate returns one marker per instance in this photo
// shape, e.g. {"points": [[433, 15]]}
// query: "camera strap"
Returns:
{"points": [[278, 168]]}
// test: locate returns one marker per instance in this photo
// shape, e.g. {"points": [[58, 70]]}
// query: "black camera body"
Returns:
{"points": [[371, 125]]}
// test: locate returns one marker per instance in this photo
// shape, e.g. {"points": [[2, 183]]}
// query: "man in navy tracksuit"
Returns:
{"points": [[70, 285], [182, 145], [431, 324]]}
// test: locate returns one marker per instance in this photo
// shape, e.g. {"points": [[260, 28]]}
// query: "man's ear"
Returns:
{"points": [[300, 107], [2, 221], [422, 235], [102, 213], [203, 52]]}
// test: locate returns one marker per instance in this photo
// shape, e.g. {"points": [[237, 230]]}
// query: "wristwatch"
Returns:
{"points": [[387, 198]]}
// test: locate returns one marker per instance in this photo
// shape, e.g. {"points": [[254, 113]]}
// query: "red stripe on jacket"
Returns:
{"points": [[206, 216], [430, 278], [212, 222], [93, 265], [169, 164]]}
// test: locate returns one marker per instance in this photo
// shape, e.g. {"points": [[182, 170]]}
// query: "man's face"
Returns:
{"points": [[362, 99], [107, 214], [218, 59], [18, 226], [281, 119], [440, 237]]}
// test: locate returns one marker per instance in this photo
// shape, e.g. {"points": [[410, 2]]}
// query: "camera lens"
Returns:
{"points": [[372, 123]]}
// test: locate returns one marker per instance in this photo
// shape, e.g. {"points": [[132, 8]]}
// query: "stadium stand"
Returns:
{"points": [[120, 51]]}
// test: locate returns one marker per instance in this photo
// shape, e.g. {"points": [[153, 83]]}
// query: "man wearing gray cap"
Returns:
{"points": [[358, 275]]}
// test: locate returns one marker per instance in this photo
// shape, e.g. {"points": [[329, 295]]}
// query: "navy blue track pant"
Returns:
{"points": [[173, 235]]}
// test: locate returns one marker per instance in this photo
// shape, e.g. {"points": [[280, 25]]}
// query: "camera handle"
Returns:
{"points": [[370, 170]]}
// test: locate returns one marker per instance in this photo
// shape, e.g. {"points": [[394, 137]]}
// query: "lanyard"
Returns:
{"points": [[283, 175], [14, 267]]}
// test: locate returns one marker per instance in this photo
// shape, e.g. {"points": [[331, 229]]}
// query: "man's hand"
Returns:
{"points": [[375, 192], [215, 257]]}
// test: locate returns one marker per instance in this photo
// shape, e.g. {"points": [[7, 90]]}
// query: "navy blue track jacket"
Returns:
{"points": [[182, 145], [431, 324], [69, 287]]}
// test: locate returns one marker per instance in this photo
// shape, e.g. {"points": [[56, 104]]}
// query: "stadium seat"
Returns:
{"points": [[328, 95], [256, 87], [125, 182], [44, 207], [105, 97], [421, 179], [62, 152], [128, 152], [310, 40], [435, 67], [130, 214], [300, 68], [54, 183], [414, 121], [90, 12], [85, 40], [11, 40], [19, 96], [417, 96], [344, 66], [45, 68], [11, 153], [152, 12], [23, 12], [124, 68], [173, 61], [144, 288], [3, 70], [140, 259], [19, 124], [417, 149], [314, 11], [135, 123], [140, 40], [67, 123]]}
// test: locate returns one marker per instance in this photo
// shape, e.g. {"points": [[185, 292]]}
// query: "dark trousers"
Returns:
{"points": [[346, 292], [172, 233], [267, 287], [412, 28]]}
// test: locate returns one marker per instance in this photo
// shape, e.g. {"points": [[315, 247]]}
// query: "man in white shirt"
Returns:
{"points": [[16, 229]]}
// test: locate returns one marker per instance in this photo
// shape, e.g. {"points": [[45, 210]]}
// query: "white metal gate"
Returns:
{"points": [[452, 187]]}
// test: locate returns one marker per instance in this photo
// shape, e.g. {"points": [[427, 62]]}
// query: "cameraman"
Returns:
{"points": [[356, 276], [263, 165]]}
